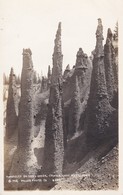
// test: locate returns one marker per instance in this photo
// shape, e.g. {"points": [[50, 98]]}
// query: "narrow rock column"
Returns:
{"points": [[98, 110], [81, 66], [99, 40], [108, 61], [66, 72], [12, 106], [26, 101], [24, 159], [75, 110], [54, 146]]}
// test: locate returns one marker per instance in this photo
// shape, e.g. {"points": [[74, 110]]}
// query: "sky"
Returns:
{"points": [[33, 24]]}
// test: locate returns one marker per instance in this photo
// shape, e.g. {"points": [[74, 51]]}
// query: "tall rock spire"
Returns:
{"points": [[99, 111], [25, 122], [24, 161], [12, 106], [75, 110], [108, 61], [26, 101], [99, 39], [54, 146], [57, 58]]}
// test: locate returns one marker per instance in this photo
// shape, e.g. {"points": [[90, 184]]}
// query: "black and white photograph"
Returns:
{"points": [[60, 69]]}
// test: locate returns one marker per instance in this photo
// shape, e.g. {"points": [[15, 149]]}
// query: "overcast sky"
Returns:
{"points": [[33, 24]]}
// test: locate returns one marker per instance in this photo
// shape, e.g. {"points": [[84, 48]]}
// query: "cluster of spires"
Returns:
{"points": [[99, 107]]}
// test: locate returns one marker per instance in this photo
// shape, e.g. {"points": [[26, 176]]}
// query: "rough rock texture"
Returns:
{"points": [[99, 112], [21, 162], [83, 71], [26, 101], [96, 172], [81, 59], [108, 61], [83, 162], [74, 111], [35, 78], [12, 106], [54, 146], [66, 72]]}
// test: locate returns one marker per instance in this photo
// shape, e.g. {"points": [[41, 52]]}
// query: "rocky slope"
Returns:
{"points": [[99, 172]]}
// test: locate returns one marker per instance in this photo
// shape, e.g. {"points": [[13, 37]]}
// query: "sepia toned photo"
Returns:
{"points": [[60, 95]]}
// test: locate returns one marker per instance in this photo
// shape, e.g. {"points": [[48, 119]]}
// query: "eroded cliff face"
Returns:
{"points": [[54, 146], [76, 88], [12, 106], [99, 111], [82, 70]]}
